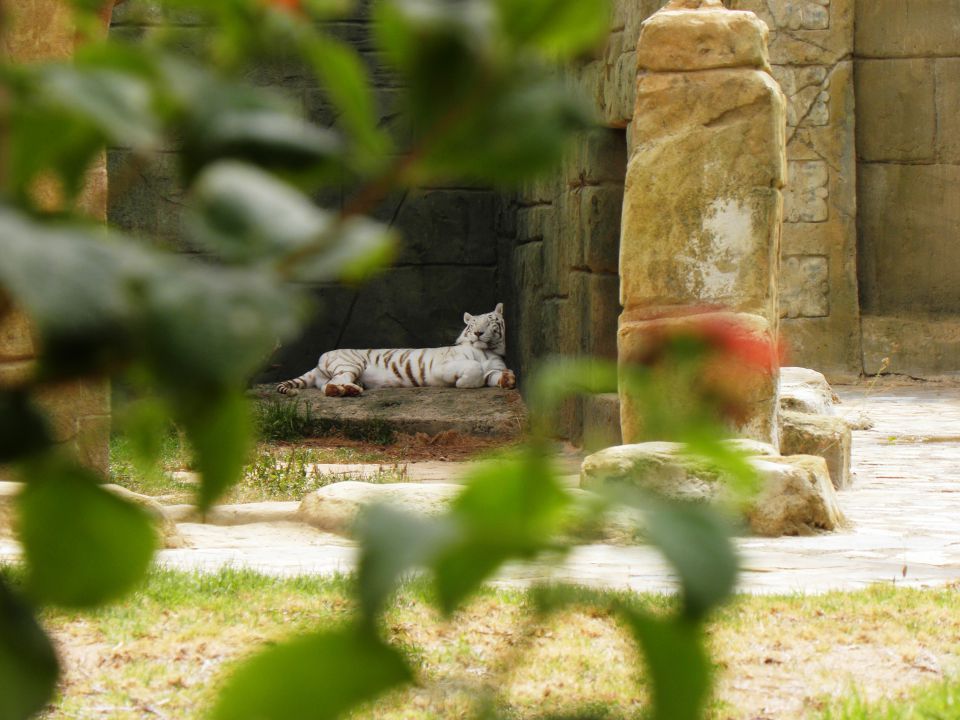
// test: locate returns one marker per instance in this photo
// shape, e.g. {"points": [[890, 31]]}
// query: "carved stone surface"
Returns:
{"points": [[805, 197], [811, 44], [804, 286]]}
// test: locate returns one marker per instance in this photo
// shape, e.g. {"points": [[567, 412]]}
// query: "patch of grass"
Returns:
{"points": [[289, 473], [284, 420], [276, 471], [842, 656], [939, 701]]}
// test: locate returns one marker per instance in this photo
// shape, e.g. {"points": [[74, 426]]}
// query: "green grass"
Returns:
{"points": [[275, 472], [290, 420], [939, 701], [842, 656]]}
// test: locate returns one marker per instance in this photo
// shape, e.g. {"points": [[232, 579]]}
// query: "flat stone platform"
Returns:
{"points": [[480, 412]]}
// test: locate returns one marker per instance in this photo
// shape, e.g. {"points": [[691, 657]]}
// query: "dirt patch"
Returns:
{"points": [[447, 445]]}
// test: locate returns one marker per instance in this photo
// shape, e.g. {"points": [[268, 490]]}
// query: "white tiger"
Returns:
{"points": [[476, 360]]}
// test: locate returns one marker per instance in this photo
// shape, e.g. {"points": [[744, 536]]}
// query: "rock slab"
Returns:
{"points": [[796, 497], [482, 412], [825, 436]]}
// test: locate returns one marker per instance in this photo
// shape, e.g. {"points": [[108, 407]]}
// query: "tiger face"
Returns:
{"points": [[485, 332]]}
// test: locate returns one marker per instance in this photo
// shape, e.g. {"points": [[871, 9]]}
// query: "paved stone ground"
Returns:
{"points": [[904, 509]]}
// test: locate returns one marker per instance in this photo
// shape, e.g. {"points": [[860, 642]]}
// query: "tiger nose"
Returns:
{"points": [[478, 334]]}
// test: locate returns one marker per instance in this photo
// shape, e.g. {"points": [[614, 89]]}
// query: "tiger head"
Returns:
{"points": [[485, 332]]}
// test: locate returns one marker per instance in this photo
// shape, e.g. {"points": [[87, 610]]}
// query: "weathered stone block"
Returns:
{"points": [[16, 372], [701, 219], [702, 39], [796, 496], [805, 391], [16, 337], [916, 346], [68, 403], [895, 28], [600, 210], [448, 227], [601, 324], [948, 109], [909, 218], [601, 421], [820, 435], [896, 115], [600, 156]]}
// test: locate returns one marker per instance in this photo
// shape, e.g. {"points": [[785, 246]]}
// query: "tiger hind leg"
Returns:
{"points": [[293, 387]]}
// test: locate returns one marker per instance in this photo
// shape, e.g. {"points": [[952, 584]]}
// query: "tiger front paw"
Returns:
{"points": [[285, 389], [508, 380], [345, 390]]}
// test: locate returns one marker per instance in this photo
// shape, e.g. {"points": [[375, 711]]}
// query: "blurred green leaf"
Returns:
{"points": [[212, 327], [83, 545], [245, 214], [220, 429], [676, 662], [118, 103], [393, 542], [23, 428], [695, 539], [525, 122], [511, 508], [443, 51], [558, 28], [347, 82], [28, 662], [64, 114], [560, 378], [78, 287], [267, 138], [321, 676]]}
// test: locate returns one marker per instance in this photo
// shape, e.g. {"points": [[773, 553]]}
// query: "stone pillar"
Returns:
{"points": [[79, 412], [703, 203]]}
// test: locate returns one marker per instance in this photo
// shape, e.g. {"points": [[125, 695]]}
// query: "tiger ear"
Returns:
{"points": [[467, 317], [499, 309]]}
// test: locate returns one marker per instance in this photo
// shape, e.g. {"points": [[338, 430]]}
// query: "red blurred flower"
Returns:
{"points": [[724, 363], [290, 6]]}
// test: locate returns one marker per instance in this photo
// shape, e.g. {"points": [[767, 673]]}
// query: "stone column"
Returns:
{"points": [[703, 203], [79, 412]]}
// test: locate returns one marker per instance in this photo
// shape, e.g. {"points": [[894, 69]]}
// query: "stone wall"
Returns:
{"points": [[908, 151], [449, 261], [79, 412]]}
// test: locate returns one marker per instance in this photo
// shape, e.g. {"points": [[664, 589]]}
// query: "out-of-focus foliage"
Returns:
{"points": [[484, 102]]}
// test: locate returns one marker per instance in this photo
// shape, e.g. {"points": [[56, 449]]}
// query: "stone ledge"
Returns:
{"points": [[484, 412]]}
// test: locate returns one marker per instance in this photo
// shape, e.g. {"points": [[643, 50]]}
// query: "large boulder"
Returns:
{"points": [[806, 391], [797, 497], [166, 528], [334, 508], [796, 494], [821, 435]]}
